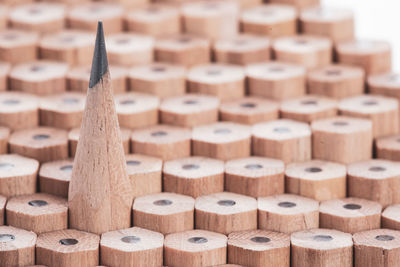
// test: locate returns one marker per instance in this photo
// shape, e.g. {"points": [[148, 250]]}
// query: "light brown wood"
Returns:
{"points": [[371, 55], [382, 111], [193, 176], [54, 177], [70, 46], [258, 247], [136, 110], [387, 84], [376, 180], [68, 3], [249, 110], [226, 213], [42, 143], [129, 49], [132, 247], [160, 79], [308, 108], [163, 141], [73, 138], [244, 4], [68, 248], [5, 68], [144, 173], [3, 15], [310, 51], [221, 140], [38, 17], [195, 248], [100, 146], [86, 15], [229, 265], [390, 217], [17, 46], [321, 247], [225, 81], [3, 201], [185, 49], [155, 20], [4, 135], [164, 212], [377, 248], [38, 213], [39, 77], [350, 215], [17, 247], [78, 79], [17, 175], [298, 3], [18, 110], [62, 110], [189, 110], [213, 19], [12, 3], [336, 81], [242, 50], [287, 213], [283, 139], [274, 20], [316, 179], [276, 80], [342, 139], [129, 4], [388, 147], [255, 176], [335, 23]]}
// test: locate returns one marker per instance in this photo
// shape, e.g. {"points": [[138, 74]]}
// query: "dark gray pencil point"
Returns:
{"points": [[100, 62]]}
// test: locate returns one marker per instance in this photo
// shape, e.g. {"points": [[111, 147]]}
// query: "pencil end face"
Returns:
{"points": [[100, 62]]}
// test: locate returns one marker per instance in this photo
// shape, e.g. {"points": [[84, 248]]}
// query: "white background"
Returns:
{"points": [[375, 19]]}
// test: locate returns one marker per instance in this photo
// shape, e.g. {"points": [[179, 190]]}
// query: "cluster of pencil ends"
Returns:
{"points": [[205, 133]]}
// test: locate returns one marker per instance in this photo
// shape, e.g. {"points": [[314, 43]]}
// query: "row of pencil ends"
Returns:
{"points": [[194, 198], [268, 31], [341, 139], [225, 231], [159, 17]]}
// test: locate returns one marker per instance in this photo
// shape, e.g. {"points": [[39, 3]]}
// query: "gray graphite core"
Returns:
{"points": [[260, 239], [66, 168], [384, 237], [226, 203], [100, 62], [253, 166], [6, 166], [287, 204], [198, 240], [352, 206], [130, 239], [323, 238], [37, 203], [6, 238], [162, 202], [68, 241], [377, 169], [133, 162], [313, 169], [41, 137], [190, 166]]}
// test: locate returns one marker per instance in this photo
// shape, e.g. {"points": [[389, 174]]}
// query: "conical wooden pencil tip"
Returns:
{"points": [[100, 62]]}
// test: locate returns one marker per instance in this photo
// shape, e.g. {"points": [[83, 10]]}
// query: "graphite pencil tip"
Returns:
{"points": [[100, 62]]}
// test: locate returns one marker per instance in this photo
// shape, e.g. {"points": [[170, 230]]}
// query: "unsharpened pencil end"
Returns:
{"points": [[100, 62]]}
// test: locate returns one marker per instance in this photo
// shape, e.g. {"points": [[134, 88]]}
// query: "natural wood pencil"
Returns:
{"points": [[100, 194]]}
